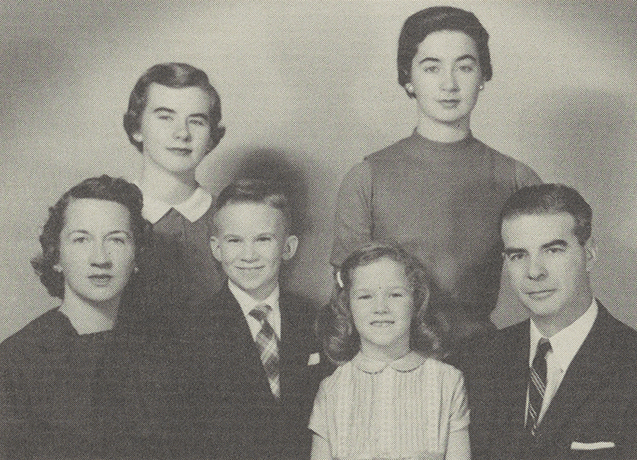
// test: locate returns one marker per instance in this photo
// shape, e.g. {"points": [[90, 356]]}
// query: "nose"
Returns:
{"points": [[100, 256], [381, 304], [448, 80], [248, 254], [182, 132], [536, 269]]}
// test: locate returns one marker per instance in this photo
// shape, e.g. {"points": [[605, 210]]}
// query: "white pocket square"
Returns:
{"points": [[314, 359], [592, 445]]}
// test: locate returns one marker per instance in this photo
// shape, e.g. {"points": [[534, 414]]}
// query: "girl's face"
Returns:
{"points": [[446, 77], [382, 304], [97, 251]]}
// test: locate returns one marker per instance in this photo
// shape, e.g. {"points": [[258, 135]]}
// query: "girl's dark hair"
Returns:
{"points": [[99, 188], [335, 325], [434, 19]]}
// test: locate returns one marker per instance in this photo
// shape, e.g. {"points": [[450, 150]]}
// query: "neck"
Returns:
{"points": [[90, 317], [387, 354], [443, 132], [169, 187], [551, 325]]}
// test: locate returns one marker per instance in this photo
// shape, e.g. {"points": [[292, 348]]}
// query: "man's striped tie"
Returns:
{"points": [[537, 385]]}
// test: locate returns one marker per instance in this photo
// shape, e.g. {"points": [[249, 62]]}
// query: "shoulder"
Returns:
{"points": [[390, 152], [39, 334], [522, 174], [622, 338], [341, 376]]}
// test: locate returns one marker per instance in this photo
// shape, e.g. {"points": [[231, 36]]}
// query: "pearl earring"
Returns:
{"points": [[57, 268]]}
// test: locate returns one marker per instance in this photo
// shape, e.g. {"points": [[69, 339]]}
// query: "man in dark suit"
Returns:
{"points": [[562, 384], [256, 349]]}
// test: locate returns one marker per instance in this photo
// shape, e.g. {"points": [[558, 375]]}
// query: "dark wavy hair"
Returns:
{"points": [[99, 188], [173, 75], [551, 199], [335, 325], [434, 19]]}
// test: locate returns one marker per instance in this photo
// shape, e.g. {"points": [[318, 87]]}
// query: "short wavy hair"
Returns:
{"points": [[256, 191], [335, 325], [99, 188], [434, 19], [172, 75], [551, 199]]}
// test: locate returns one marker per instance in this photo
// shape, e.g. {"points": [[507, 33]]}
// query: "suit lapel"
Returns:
{"points": [[584, 375], [514, 380]]}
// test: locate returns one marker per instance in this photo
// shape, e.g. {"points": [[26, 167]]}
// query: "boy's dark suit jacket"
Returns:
{"points": [[240, 418], [596, 401]]}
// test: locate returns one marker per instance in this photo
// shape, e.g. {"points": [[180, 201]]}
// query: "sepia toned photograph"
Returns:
{"points": [[333, 229]]}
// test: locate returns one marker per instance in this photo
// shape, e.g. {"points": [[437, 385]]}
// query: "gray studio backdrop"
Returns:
{"points": [[308, 88]]}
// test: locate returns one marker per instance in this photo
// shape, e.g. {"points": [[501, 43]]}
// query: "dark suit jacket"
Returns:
{"points": [[240, 418], [596, 401]]}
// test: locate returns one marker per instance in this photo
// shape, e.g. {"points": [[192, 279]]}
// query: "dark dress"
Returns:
{"points": [[52, 391]]}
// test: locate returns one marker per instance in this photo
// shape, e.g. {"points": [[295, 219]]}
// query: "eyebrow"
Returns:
{"points": [[558, 242], [461, 58], [193, 115]]}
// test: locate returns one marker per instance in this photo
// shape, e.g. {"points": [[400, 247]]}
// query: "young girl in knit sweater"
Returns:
{"points": [[390, 398]]}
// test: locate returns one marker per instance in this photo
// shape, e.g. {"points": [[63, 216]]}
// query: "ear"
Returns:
{"points": [[215, 247], [289, 248], [590, 249]]}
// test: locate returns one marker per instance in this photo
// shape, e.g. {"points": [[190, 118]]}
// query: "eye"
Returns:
{"points": [[397, 295], [555, 249], [79, 239], [430, 69], [363, 297], [264, 238], [165, 116], [199, 122], [515, 256], [466, 68], [233, 240]]}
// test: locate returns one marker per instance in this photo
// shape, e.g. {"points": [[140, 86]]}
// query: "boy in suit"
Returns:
{"points": [[259, 351], [562, 384]]}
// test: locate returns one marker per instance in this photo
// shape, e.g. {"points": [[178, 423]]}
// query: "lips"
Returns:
{"points": [[382, 323], [100, 280], [449, 103], [180, 151], [541, 295]]}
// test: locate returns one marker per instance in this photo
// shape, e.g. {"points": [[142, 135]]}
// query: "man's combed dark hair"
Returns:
{"points": [[172, 75], [551, 199], [257, 191], [434, 19], [335, 324], [99, 188]]}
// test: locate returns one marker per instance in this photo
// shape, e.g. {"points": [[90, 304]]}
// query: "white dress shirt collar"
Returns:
{"points": [[567, 342], [192, 209], [247, 304]]}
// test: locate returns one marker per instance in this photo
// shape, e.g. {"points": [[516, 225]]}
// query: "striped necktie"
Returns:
{"points": [[537, 385], [268, 346]]}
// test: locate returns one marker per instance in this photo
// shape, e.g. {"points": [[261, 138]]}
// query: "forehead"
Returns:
{"points": [[381, 271], [449, 44], [534, 230], [190, 99], [248, 217], [96, 215]]}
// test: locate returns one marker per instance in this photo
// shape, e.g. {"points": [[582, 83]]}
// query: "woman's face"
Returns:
{"points": [[97, 251], [446, 77]]}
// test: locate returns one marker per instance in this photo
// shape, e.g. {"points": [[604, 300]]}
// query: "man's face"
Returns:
{"points": [[548, 267], [250, 243], [175, 128]]}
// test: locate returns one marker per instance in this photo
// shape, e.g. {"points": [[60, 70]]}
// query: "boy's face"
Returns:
{"points": [[250, 243], [175, 128]]}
